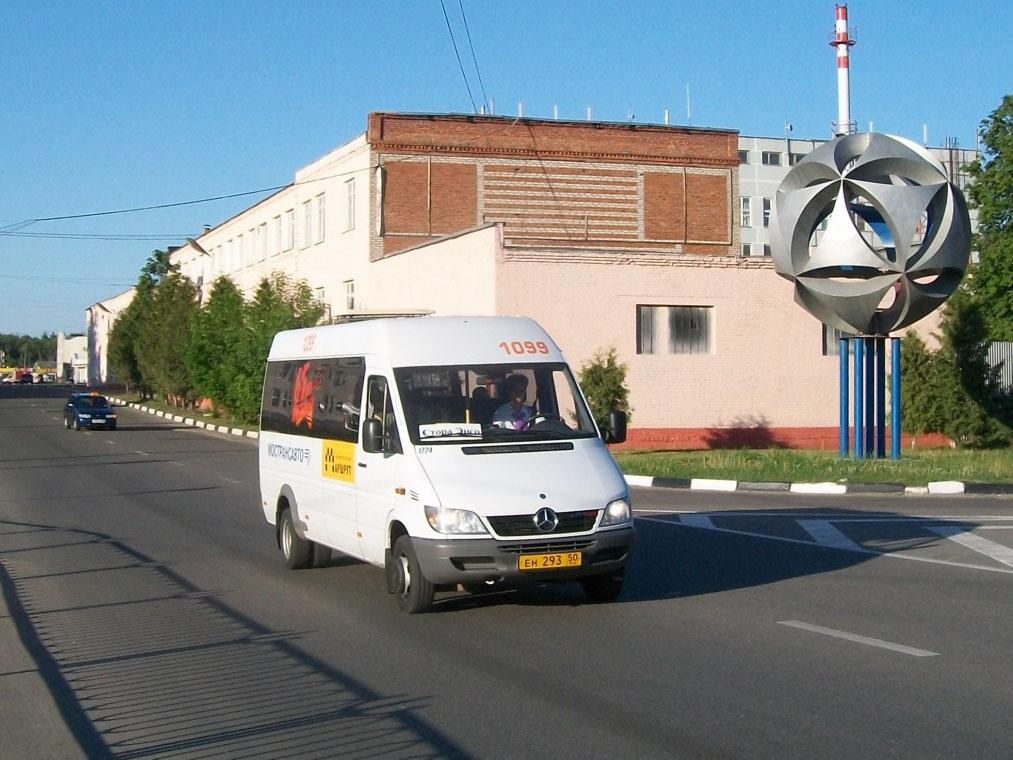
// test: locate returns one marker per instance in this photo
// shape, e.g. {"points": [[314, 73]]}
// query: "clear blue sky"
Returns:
{"points": [[115, 105]]}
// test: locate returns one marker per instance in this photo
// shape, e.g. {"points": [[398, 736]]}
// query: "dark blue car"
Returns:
{"points": [[88, 410]]}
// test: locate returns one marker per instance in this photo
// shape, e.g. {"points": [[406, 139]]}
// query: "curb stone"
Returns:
{"points": [[937, 488], [209, 426]]}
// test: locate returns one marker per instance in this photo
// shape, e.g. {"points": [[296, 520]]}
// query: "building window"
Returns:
{"points": [[262, 242], [747, 249], [767, 202], [766, 250], [320, 218], [743, 156], [674, 329], [771, 158], [349, 295], [831, 341], [745, 218], [794, 158], [350, 205], [307, 224], [289, 229], [277, 236]]}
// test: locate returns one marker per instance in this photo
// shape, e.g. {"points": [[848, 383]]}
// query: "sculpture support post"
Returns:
{"points": [[895, 399], [859, 447], [870, 396], [880, 397], [842, 436]]}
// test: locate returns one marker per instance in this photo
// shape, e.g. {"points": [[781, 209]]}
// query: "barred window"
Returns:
{"points": [[674, 329]]}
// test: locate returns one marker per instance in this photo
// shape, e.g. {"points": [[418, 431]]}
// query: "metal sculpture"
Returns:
{"points": [[871, 232]]}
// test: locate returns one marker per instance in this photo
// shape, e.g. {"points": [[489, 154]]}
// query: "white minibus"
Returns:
{"points": [[452, 451]]}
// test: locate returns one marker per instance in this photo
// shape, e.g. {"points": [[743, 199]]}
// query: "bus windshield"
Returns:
{"points": [[492, 402]]}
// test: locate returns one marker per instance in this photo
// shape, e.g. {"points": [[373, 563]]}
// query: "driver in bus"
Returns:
{"points": [[514, 414]]}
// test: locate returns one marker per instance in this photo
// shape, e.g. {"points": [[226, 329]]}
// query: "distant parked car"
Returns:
{"points": [[88, 410], [27, 379]]}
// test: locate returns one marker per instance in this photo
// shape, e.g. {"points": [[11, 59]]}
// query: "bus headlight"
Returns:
{"points": [[617, 512], [454, 520]]}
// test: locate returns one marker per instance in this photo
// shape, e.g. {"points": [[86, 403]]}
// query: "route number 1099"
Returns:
{"points": [[524, 347]]}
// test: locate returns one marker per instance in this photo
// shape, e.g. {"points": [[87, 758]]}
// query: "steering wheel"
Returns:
{"points": [[540, 417]]}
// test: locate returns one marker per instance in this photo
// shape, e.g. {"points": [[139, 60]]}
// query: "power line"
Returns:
{"points": [[485, 99], [96, 236], [156, 207], [450, 29], [14, 228], [73, 280]]}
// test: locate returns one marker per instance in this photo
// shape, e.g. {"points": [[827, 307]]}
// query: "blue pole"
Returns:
{"points": [[895, 399], [870, 396], [859, 447], [842, 348], [880, 397]]}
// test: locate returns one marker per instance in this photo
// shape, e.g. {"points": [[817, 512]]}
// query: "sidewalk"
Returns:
{"points": [[33, 724]]}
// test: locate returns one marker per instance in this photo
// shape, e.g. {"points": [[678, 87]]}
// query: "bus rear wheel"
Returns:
{"points": [[298, 551]]}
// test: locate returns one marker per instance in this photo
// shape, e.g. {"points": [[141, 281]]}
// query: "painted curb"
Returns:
{"points": [[209, 426], [946, 486], [938, 488], [819, 488]]}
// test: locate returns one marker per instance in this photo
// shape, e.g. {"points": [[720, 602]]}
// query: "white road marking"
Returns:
{"points": [[696, 520], [859, 549], [825, 534], [858, 639], [998, 552]]}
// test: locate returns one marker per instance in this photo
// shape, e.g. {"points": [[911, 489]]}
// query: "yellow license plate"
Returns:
{"points": [[548, 561]]}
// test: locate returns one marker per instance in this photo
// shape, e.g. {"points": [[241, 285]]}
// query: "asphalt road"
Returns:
{"points": [[156, 620]]}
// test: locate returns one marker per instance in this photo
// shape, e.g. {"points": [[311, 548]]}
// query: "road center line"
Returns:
{"points": [[826, 534], [998, 552], [858, 639]]}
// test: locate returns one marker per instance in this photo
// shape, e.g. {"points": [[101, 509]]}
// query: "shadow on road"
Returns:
{"points": [[675, 557], [142, 664]]}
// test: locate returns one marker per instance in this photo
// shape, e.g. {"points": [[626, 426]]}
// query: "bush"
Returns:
{"points": [[603, 381]]}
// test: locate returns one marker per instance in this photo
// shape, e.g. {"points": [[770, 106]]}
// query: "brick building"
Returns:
{"points": [[610, 235]]}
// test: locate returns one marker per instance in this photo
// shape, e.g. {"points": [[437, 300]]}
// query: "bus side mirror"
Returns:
{"points": [[616, 430], [372, 436]]}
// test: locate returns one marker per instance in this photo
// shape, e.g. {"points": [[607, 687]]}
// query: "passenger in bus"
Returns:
{"points": [[514, 414]]}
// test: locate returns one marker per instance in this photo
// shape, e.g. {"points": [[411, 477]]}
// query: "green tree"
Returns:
{"points": [[164, 335], [920, 403], [969, 386], [991, 193], [230, 339], [216, 338], [603, 380], [125, 337], [278, 304]]}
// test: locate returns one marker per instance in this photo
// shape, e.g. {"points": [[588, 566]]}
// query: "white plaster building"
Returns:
{"points": [[71, 358], [99, 318]]}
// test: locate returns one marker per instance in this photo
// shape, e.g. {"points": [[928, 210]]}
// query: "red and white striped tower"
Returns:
{"points": [[843, 42]]}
